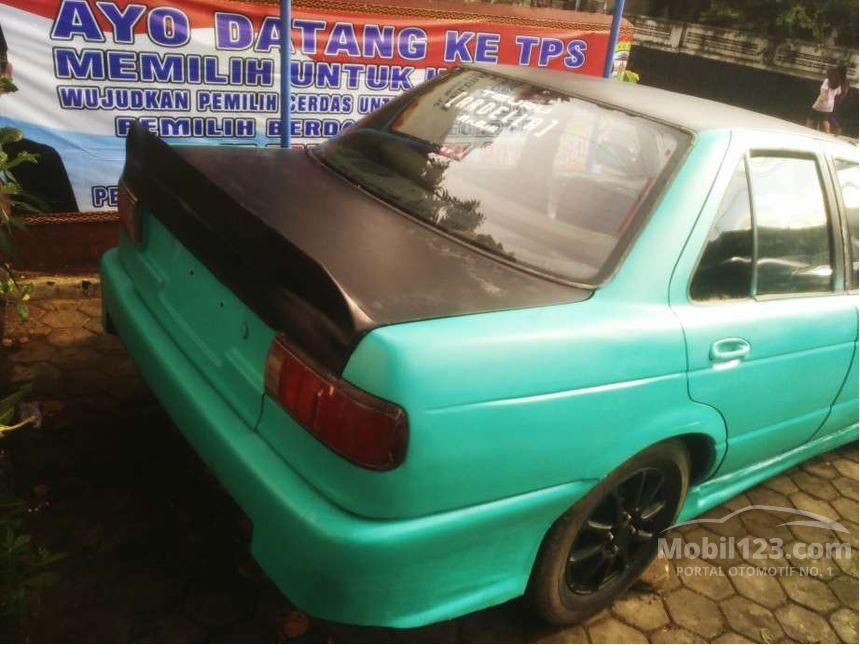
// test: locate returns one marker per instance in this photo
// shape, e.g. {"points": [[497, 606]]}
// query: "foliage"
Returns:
{"points": [[831, 22], [24, 567], [13, 199], [10, 400], [721, 14]]}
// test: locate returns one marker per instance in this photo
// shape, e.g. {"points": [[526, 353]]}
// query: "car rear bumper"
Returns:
{"points": [[331, 563]]}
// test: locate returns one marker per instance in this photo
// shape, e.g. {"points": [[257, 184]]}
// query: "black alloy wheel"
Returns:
{"points": [[619, 533], [602, 544]]}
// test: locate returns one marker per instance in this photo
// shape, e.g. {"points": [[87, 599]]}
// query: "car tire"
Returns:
{"points": [[610, 531]]}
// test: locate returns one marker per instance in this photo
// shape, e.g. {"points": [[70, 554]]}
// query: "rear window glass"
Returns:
{"points": [[549, 181]]}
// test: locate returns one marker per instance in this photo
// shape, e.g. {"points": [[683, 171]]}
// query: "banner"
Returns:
{"points": [[207, 72]]}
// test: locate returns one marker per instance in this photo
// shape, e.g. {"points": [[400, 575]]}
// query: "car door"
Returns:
{"points": [[760, 293], [846, 173]]}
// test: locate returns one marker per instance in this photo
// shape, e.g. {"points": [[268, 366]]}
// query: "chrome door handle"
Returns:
{"points": [[729, 349]]}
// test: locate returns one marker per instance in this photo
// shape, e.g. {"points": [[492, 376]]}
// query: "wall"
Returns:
{"points": [[741, 68], [794, 57], [774, 93]]}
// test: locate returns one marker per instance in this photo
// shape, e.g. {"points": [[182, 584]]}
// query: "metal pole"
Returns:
{"points": [[286, 71], [613, 38]]}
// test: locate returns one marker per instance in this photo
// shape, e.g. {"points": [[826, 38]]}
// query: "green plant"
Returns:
{"points": [[10, 399], [720, 14], [13, 201], [24, 567], [821, 21]]}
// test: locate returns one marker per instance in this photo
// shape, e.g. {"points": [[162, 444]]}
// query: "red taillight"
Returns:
{"points": [[365, 430], [129, 213]]}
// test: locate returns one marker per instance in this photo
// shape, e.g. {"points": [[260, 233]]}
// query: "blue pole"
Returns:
{"points": [[286, 56], [613, 38]]}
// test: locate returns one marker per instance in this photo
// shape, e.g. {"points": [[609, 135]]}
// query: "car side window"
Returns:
{"points": [[849, 184], [725, 268], [793, 253]]}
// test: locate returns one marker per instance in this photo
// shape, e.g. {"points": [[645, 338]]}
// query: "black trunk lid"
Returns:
{"points": [[314, 256]]}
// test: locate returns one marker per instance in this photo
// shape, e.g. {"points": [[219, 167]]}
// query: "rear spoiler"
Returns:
{"points": [[289, 290]]}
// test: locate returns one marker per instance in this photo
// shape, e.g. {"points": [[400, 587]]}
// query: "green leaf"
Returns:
{"points": [[47, 559], [20, 542], [10, 503], [18, 225], [21, 157], [37, 201], [6, 85], [21, 205], [43, 579], [10, 135], [23, 312]]}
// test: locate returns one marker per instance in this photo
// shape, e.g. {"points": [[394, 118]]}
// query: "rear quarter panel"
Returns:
{"points": [[505, 403]]}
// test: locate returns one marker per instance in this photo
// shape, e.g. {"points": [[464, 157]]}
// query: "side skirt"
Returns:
{"points": [[713, 492]]}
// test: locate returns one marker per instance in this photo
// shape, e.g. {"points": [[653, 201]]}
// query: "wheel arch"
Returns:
{"points": [[550, 590], [703, 455], [700, 427]]}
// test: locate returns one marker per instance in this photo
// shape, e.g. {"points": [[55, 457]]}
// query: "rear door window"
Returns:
{"points": [[771, 234], [793, 242], [848, 178]]}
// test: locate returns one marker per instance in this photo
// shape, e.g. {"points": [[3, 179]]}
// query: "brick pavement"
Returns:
{"points": [[158, 552]]}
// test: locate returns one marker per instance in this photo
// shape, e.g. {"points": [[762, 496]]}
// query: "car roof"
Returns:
{"points": [[680, 110]]}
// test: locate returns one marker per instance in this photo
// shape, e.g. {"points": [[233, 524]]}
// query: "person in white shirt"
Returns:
{"points": [[822, 110]]}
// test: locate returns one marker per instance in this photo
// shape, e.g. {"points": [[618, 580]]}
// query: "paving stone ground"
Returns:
{"points": [[159, 552]]}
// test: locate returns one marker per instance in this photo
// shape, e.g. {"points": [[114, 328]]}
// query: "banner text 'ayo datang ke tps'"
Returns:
{"points": [[207, 71]]}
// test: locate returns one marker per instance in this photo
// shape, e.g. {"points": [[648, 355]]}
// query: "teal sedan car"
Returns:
{"points": [[496, 337]]}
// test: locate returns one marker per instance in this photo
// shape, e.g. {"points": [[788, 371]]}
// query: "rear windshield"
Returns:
{"points": [[548, 181]]}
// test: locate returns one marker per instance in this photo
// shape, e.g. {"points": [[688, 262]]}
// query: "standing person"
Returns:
{"points": [[835, 126], [822, 110]]}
